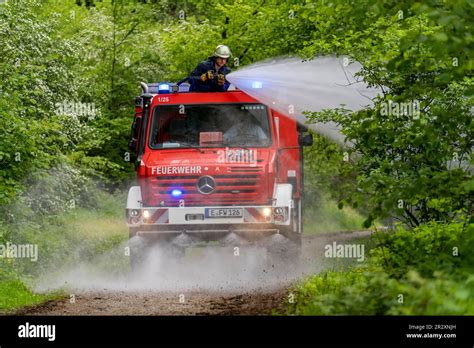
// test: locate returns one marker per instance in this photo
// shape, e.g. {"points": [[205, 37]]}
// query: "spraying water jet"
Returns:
{"points": [[292, 86]]}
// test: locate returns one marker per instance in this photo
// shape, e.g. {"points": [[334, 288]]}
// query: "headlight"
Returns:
{"points": [[146, 214], [134, 212], [267, 212]]}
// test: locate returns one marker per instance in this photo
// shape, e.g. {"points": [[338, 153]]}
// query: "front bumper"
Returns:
{"points": [[204, 218]]}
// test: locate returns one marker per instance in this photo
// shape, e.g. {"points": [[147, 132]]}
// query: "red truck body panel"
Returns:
{"points": [[238, 183]]}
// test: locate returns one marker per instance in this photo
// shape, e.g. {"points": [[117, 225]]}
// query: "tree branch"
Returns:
{"points": [[413, 220], [132, 29]]}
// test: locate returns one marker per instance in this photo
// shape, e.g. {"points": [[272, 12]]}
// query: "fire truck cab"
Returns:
{"points": [[211, 165]]}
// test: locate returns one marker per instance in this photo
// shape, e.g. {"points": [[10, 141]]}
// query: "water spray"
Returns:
{"points": [[291, 85]]}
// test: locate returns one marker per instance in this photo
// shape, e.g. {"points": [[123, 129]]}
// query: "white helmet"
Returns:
{"points": [[222, 51]]}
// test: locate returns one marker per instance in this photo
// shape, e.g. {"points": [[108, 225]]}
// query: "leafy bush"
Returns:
{"points": [[407, 273], [430, 248], [68, 237], [321, 214], [415, 165], [34, 76]]}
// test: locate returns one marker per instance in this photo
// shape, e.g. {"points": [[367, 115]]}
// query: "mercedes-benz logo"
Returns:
{"points": [[206, 184]]}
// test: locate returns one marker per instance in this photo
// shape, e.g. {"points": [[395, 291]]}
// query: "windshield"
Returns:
{"points": [[211, 125]]}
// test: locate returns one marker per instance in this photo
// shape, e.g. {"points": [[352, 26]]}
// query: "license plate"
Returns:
{"points": [[224, 212]]}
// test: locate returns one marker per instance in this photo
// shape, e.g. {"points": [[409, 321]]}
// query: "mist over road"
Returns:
{"points": [[256, 295]]}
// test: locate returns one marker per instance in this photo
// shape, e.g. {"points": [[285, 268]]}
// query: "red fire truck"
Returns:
{"points": [[211, 165]]}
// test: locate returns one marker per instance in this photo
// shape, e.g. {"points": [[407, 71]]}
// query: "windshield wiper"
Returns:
{"points": [[245, 146], [190, 145], [240, 146]]}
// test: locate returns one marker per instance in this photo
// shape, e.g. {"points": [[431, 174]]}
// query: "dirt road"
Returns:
{"points": [[245, 300]]}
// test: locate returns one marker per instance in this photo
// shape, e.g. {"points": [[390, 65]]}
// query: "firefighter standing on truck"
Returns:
{"points": [[209, 75]]}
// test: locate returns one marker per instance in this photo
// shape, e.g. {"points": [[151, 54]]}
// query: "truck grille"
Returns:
{"points": [[241, 169], [231, 189]]}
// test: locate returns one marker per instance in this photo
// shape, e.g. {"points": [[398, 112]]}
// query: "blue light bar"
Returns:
{"points": [[176, 193], [184, 87], [256, 84], [163, 88]]}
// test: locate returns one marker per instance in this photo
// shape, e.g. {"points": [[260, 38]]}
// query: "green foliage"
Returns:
{"points": [[328, 175], [421, 265], [414, 165], [68, 238], [321, 214], [325, 168], [429, 248], [16, 295], [48, 192], [34, 75], [375, 293]]}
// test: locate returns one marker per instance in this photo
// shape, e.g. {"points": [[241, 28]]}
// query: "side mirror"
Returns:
{"points": [[132, 144], [305, 140], [138, 101], [301, 128]]}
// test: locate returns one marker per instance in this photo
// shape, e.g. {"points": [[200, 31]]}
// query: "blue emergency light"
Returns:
{"points": [[184, 87], [163, 88], [167, 87], [176, 193], [256, 84]]}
